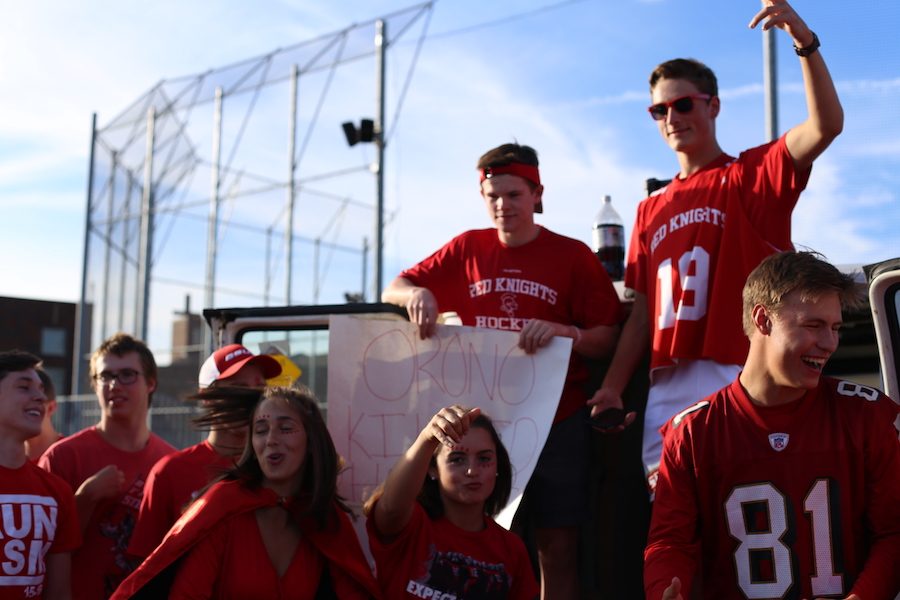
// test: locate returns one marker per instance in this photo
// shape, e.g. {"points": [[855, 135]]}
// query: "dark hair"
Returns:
{"points": [[318, 485], [12, 361], [806, 273], [430, 493], [689, 69], [49, 388], [121, 344], [506, 154], [226, 406]]}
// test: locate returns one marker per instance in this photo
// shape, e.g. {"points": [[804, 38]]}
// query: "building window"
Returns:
{"points": [[53, 341]]}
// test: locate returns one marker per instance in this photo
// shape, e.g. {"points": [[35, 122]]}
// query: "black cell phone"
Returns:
{"points": [[607, 419]]}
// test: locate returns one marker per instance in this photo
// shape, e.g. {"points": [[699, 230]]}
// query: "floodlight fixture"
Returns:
{"points": [[364, 133]]}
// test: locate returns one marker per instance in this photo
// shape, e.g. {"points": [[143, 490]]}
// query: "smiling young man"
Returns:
{"points": [[519, 276], [107, 464], [39, 528], [785, 483], [695, 240]]}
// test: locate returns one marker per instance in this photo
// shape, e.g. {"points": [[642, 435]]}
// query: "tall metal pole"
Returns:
{"points": [[770, 84], [81, 314], [267, 283], [212, 235], [381, 51], [316, 247], [126, 217], [365, 262], [146, 249], [292, 172], [111, 183]]}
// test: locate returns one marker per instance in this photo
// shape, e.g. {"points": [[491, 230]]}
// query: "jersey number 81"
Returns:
{"points": [[768, 543]]}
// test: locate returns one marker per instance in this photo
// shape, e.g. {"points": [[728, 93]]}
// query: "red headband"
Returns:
{"points": [[524, 171]]}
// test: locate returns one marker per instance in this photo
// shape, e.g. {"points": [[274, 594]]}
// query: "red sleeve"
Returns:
{"points": [[772, 186], [524, 585], [636, 261], [596, 301], [441, 273], [60, 462], [880, 576], [68, 529], [201, 567], [155, 516], [673, 546]]}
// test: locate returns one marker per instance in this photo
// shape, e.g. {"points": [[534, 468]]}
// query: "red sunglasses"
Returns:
{"points": [[683, 105]]}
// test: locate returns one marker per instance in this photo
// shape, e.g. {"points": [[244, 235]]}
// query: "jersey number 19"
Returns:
{"points": [[690, 305]]}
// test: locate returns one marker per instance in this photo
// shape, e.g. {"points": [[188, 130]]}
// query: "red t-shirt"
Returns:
{"points": [[553, 277], [38, 517], [217, 550], [794, 501], [436, 559], [231, 563], [173, 482], [101, 563], [694, 243]]}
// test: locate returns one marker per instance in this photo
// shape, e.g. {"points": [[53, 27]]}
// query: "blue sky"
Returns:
{"points": [[569, 80]]}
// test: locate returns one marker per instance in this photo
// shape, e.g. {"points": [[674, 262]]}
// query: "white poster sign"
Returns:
{"points": [[385, 384]]}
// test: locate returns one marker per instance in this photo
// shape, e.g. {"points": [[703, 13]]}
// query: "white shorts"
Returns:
{"points": [[672, 389]]}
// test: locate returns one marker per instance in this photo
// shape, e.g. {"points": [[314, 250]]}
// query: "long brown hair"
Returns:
{"points": [[233, 406]]}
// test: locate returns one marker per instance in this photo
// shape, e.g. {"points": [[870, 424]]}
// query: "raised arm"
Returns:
{"points": [[825, 119], [419, 302], [394, 509]]}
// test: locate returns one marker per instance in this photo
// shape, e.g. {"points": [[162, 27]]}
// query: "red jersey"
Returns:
{"points": [[436, 559], [491, 285], [694, 243], [173, 483], [38, 517], [793, 501], [215, 550], [101, 562]]}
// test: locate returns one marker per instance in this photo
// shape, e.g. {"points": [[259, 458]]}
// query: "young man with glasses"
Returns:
{"points": [[695, 240], [107, 464]]}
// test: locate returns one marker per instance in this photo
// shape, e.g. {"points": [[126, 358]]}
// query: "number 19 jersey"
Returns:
{"points": [[696, 240], [794, 501]]}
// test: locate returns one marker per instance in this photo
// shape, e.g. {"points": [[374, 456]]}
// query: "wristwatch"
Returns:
{"points": [[807, 50]]}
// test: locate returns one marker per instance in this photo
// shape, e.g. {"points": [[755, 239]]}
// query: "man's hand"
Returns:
{"points": [[422, 308], [105, 483], [673, 592], [780, 14], [537, 333], [604, 399]]}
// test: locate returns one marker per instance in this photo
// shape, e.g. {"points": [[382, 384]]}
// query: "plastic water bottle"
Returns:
{"points": [[609, 240]]}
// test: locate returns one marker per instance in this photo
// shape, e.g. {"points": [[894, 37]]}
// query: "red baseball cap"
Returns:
{"points": [[228, 360]]}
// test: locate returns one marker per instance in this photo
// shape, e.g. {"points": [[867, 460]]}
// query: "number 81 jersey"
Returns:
{"points": [[795, 501], [696, 240]]}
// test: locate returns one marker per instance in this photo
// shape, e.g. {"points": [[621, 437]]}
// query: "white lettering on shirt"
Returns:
{"points": [[27, 530]]}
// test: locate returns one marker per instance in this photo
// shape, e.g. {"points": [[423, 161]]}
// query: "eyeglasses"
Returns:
{"points": [[682, 105], [123, 377]]}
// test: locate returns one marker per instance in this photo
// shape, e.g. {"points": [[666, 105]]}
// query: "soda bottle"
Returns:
{"points": [[609, 240]]}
